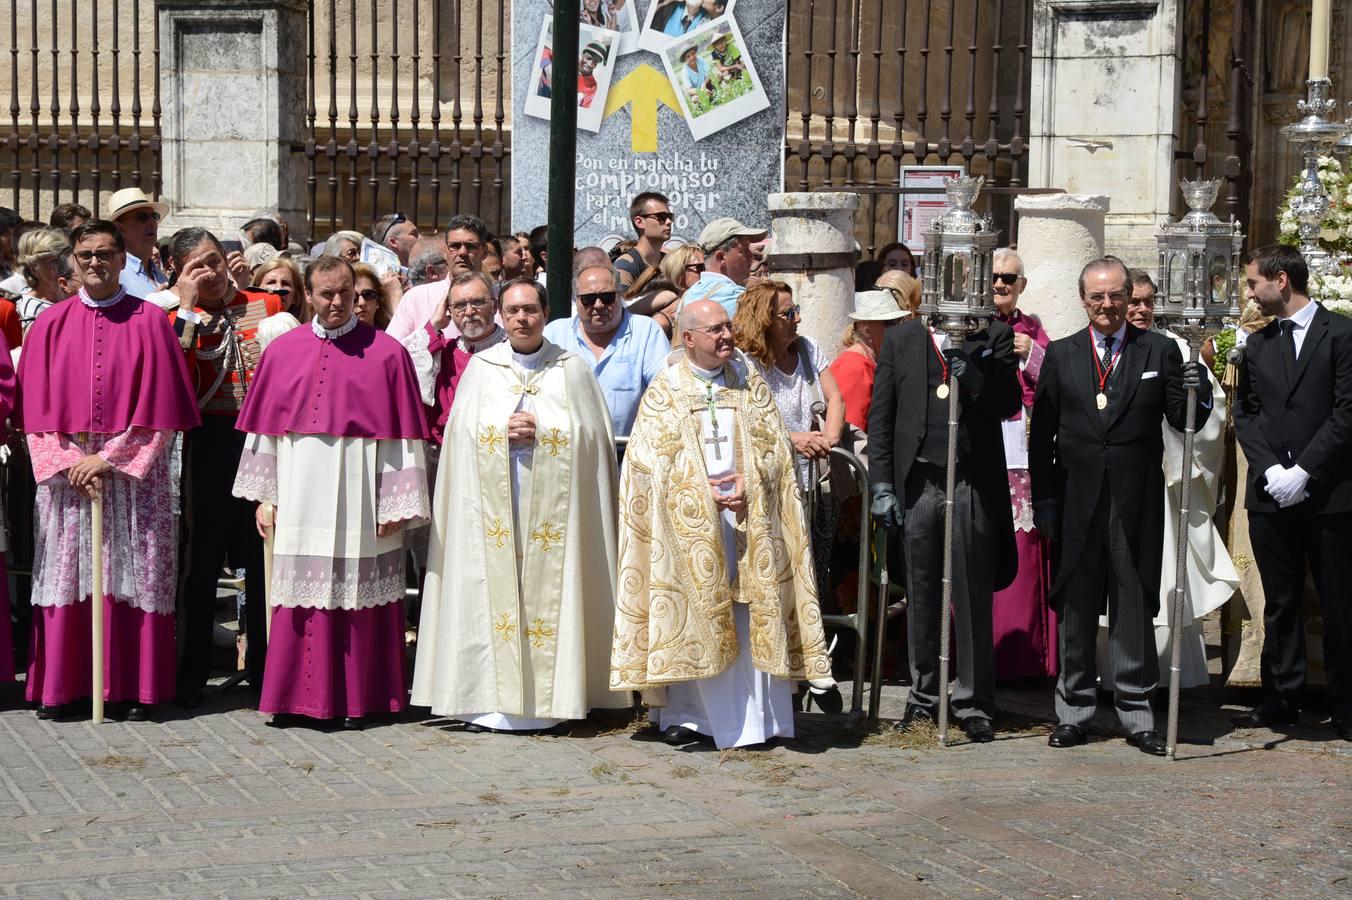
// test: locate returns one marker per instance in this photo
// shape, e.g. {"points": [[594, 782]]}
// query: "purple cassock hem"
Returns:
{"points": [[1022, 621], [329, 663], [138, 654]]}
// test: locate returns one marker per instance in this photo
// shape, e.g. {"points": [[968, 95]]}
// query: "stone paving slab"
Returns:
{"points": [[220, 805]]}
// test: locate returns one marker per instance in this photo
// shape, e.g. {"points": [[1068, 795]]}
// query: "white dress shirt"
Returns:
{"points": [[1301, 318]]}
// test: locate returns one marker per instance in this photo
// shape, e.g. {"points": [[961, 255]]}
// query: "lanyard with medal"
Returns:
{"points": [[942, 390], [1101, 398]]}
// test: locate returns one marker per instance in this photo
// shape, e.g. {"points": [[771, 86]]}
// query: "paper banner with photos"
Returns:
{"points": [[660, 82]]}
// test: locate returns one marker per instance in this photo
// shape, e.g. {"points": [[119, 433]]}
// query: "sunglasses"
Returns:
{"points": [[1005, 277], [85, 256], [695, 267], [662, 217], [369, 295], [398, 218], [278, 292], [605, 297], [790, 314], [145, 215]]}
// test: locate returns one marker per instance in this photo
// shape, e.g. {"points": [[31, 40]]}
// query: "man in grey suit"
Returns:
{"points": [[1097, 483]]}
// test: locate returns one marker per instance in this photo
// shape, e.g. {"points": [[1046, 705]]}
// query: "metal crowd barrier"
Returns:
{"points": [[858, 620]]}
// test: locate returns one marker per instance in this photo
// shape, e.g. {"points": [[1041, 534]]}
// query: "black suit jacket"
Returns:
{"points": [[1303, 420], [896, 419], [1073, 447]]}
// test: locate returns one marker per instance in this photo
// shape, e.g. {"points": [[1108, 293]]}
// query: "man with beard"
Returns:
{"points": [[467, 240], [624, 351]]}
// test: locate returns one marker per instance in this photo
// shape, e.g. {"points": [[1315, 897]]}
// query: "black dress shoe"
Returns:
{"points": [[137, 712], [827, 700], [50, 712], [678, 735], [1342, 726], [1267, 717], [978, 730], [1067, 736], [353, 723], [1148, 742], [912, 715]]}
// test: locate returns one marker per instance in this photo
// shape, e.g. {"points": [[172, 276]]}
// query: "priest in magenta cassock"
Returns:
{"points": [[9, 396], [717, 615], [336, 435], [105, 388], [520, 592]]}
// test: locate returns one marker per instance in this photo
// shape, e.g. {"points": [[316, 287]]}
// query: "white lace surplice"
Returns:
{"points": [[331, 493]]}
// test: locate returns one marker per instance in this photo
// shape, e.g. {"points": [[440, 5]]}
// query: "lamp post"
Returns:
{"points": [[956, 299], [1198, 270], [1314, 136]]}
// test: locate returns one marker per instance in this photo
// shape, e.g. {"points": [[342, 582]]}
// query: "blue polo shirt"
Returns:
{"points": [[140, 279], [634, 357]]}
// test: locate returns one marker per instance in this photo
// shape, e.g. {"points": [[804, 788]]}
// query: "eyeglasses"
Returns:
{"points": [[398, 218], [1005, 277], [661, 217], [467, 246], [605, 297], [791, 314], [695, 267], [85, 256], [476, 305], [370, 295], [1115, 297], [715, 330], [145, 215]]}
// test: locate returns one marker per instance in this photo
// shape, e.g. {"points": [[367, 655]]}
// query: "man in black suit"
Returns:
{"points": [[1095, 460], [1293, 417], [908, 454]]}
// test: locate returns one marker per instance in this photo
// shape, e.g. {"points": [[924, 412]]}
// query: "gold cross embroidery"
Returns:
{"points": [[499, 533], [505, 627], [491, 439], [522, 388], [546, 536], [539, 632], [554, 442]]}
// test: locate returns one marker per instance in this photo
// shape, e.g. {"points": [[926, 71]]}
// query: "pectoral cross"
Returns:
{"points": [[716, 441]]}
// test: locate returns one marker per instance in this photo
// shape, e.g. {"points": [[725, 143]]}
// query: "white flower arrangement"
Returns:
{"points": [[1335, 235]]}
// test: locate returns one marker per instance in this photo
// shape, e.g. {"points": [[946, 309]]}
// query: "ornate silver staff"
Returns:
{"points": [[1198, 270], [955, 298], [1313, 136]]}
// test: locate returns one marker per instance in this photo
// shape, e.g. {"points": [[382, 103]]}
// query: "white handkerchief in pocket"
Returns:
{"points": [[1145, 375]]}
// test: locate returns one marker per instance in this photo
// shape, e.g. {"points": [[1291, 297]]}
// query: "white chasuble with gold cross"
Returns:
{"points": [[519, 599]]}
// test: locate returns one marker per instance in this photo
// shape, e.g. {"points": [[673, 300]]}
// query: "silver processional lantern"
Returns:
{"points": [[1314, 135], [956, 282], [1198, 267], [1199, 293], [955, 298]]}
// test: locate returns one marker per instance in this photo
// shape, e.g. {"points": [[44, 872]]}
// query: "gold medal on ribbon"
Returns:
{"points": [[1101, 400], [941, 392]]}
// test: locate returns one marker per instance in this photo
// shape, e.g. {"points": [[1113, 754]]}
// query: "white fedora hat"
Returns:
{"points": [[131, 199], [876, 306]]}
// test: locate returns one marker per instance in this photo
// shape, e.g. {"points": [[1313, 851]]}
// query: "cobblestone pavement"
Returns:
{"points": [[221, 805]]}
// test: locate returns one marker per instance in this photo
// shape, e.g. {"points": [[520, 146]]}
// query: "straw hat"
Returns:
{"points": [[131, 199], [875, 306]]}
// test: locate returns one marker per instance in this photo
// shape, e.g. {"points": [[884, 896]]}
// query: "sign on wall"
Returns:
{"points": [[685, 97]]}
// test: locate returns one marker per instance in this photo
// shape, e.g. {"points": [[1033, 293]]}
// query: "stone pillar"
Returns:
{"points": [[1105, 89], [233, 88], [812, 248], [1058, 234]]}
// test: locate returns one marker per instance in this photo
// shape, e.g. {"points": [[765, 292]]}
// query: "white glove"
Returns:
{"points": [[1287, 486]]}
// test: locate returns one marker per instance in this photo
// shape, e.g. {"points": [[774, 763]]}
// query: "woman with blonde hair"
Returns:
{"points": [[282, 277], [680, 269], [766, 328], [905, 289], [44, 259]]}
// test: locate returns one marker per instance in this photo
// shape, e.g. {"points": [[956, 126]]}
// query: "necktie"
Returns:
{"points": [[1288, 344], [1108, 361]]}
